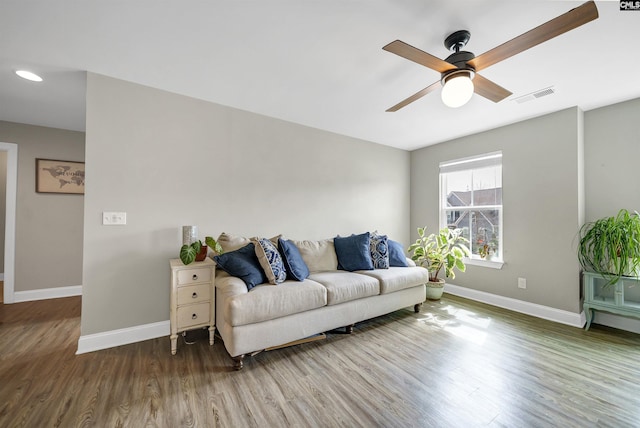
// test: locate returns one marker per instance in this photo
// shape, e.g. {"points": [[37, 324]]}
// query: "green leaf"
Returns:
{"points": [[214, 245], [188, 253]]}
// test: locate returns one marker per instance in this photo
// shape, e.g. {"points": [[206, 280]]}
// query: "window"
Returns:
{"points": [[471, 200]]}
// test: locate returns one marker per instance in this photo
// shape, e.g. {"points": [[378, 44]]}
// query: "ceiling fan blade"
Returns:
{"points": [[416, 55], [559, 25], [488, 89], [416, 96]]}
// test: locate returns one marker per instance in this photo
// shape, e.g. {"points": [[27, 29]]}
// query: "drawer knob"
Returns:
{"points": [[194, 295], [195, 276], [194, 316]]}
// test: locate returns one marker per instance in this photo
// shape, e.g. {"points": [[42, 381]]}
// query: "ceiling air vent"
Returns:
{"points": [[537, 94]]}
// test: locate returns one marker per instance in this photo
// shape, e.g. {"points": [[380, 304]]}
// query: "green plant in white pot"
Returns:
{"points": [[610, 246], [444, 250]]}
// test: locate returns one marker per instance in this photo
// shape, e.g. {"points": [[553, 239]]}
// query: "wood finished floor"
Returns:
{"points": [[456, 364]]}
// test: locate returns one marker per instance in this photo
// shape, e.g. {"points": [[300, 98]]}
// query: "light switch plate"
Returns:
{"points": [[112, 218]]}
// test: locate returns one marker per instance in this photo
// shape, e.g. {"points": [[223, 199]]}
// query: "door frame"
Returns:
{"points": [[10, 220]]}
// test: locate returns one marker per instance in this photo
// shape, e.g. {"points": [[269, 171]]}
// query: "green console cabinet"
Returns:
{"points": [[622, 298]]}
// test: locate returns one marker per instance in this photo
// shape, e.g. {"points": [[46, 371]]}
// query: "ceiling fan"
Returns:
{"points": [[459, 71]]}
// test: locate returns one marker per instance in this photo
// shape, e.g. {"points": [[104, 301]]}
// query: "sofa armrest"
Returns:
{"points": [[410, 262], [229, 286]]}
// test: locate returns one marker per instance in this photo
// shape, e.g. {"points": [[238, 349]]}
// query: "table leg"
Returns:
{"points": [[174, 343]]}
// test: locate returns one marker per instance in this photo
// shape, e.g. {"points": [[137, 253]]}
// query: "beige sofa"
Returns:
{"points": [[270, 316]]}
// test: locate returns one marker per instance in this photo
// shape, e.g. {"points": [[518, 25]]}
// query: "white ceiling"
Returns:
{"points": [[318, 63]]}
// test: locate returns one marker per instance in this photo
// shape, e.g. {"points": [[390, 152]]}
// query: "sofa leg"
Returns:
{"points": [[349, 329], [238, 362], [416, 307]]}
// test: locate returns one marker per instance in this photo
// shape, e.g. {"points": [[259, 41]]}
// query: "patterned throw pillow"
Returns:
{"points": [[270, 261], [379, 249]]}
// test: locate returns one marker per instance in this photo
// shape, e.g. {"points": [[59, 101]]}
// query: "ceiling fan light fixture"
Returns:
{"points": [[457, 88]]}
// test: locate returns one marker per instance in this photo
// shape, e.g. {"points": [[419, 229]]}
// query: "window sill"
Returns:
{"points": [[492, 264]]}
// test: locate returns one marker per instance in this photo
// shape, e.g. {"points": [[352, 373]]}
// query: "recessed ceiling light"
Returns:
{"points": [[29, 75]]}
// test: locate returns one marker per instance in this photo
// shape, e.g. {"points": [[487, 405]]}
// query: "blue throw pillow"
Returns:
{"points": [[353, 252], [396, 254], [244, 264], [296, 267], [379, 249]]}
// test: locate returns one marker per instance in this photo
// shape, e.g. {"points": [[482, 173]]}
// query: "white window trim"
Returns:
{"points": [[472, 162], [493, 264]]}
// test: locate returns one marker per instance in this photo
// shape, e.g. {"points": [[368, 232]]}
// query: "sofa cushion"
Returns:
{"points": [[397, 256], [318, 255], [398, 278], [270, 260], [345, 286], [230, 242], [244, 264], [265, 302], [353, 252], [294, 264], [379, 249]]}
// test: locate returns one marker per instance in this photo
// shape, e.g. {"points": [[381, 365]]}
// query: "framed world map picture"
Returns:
{"points": [[57, 176]]}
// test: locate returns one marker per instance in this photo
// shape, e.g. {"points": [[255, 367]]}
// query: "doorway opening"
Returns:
{"points": [[10, 221]]}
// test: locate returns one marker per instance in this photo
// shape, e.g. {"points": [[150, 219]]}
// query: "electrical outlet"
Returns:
{"points": [[522, 283], [110, 218]]}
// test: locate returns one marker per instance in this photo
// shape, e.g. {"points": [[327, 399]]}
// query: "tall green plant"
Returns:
{"points": [[445, 249], [610, 246]]}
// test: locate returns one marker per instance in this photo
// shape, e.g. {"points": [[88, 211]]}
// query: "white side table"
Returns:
{"points": [[192, 298]]}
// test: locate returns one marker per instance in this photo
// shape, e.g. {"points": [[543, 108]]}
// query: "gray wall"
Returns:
{"points": [[48, 227], [612, 156], [541, 200], [612, 151], [169, 160]]}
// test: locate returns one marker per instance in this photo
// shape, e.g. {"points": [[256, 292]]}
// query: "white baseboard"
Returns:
{"points": [[544, 312], [124, 336], [47, 293]]}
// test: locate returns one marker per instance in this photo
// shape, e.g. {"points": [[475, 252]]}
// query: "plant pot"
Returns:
{"points": [[435, 289], [202, 254]]}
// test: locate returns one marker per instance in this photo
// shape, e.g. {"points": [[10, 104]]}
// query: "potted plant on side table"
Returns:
{"points": [[445, 249], [197, 251], [610, 246]]}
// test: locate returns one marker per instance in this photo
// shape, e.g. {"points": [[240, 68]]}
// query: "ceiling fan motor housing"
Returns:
{"points": [[459, 59], [454, 42]]}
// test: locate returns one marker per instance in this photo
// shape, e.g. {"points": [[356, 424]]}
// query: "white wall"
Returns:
{"points": [[169, 160], [541, 201]]}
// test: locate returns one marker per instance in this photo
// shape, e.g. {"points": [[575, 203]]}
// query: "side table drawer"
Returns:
{"points": [[194, 294], [192, 315], [192, 276]]}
